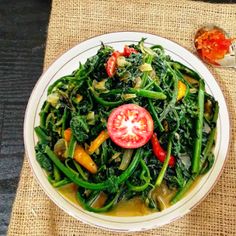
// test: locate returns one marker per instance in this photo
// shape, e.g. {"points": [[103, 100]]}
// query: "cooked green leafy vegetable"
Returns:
{"points": [[80, 141], [80, 128]]}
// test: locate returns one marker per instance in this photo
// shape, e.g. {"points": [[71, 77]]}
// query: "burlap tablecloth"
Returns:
{"points": [[73, 21]]}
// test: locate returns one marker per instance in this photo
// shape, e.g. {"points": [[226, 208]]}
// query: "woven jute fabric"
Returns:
{"points": [[73, 21]]}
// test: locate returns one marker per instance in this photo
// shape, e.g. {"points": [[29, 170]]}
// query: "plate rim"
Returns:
{"points": [[60, 57]]}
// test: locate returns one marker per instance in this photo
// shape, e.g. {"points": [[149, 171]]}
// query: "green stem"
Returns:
{"points": [[205, 152], [41, 135], [211, 137], [131, 168], [139, 92], [155, 116], [149, 85], [94, 186], [64, 119], [104, 102], [157, 87], [216, 113], [165, 165], [182, 192], [43, 115], [199, 125], [185, 70], [56, 173], [57, 83], [145, 74], [97, 210], [147, 93], [173, 99], [71, 148], [81, 172], [61, 183], [72, 175], [104, 154], [147, 179], [113, 92]]}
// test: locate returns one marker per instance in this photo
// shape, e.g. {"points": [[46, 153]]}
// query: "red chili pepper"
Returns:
{"points": [[111, 63], [111, 66], [128, 51], [159, 152], [117, 54]]}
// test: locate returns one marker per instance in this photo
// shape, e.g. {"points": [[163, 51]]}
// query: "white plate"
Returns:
{"points": [[69, 62]]}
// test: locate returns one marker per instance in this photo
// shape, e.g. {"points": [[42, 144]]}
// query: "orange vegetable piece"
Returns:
{"points": [[96, 143], [83, 158], [181, 90], [67, 134]]}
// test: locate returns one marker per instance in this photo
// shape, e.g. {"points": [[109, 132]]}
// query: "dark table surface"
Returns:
{"points": [[23, 30]]}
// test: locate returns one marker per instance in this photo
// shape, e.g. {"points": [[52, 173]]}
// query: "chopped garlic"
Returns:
{"points": [[53, 99], [101, 85], [121, 62], [128, 96], [145, 67]]}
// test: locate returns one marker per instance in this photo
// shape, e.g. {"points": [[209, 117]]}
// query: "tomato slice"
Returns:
{"points": [[130, 126]]}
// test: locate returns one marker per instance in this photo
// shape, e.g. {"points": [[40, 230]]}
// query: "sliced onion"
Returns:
{"points": [[190, 79], [208, 107], [146, 50], [126, 159], [115, 156], [137, 82], [91, 118], [193, 90], [100, 200], [185, 159], [163, 203], [162, 196], [60, 148], [206, 128]]}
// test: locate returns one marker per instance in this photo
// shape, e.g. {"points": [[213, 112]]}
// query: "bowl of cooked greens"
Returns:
{"points": [[127, 131]]}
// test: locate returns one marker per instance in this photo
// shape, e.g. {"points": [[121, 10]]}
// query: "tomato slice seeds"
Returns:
{"points": [[130, 126]]}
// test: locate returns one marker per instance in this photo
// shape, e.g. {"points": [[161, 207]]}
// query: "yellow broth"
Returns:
{"points": [[69, 192], [134, 206]]}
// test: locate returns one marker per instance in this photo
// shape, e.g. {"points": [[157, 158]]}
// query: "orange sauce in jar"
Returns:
{"points": [[212, 45]]}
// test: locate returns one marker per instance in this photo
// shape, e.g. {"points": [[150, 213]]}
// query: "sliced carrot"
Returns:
{"points": [[84, 159], [96, 143], [67, 134]]}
